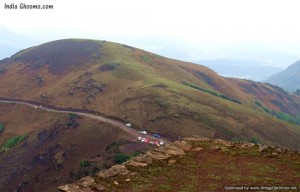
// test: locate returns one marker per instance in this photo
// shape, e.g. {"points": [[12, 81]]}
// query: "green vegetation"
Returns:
{"points": [[72, 115], [13, 142], [1, 127], [212, 92], [121, 158], [280, 115], [84, 163]]}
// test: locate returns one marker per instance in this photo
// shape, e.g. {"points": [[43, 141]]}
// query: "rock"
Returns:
{"points": [[224, 149], [120, 169], [274, 154], [282, 150], [176, 151], [193, 139], [214, 147], [143, 159], [197, 149], [223, 142], [157, 155], [97, 187], [136, 163], [86, 181], [116, 182], [107, 174], [172, 161], [262, 148], [73, 188], [182, 145], [59, 157]]}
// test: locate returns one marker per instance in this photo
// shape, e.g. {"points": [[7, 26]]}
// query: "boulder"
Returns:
{"points": [[262, 148], [157, 155], [193, 139], [73, 188], [182, 145], [120, 169], [107, 174], [136, 163], [143, 159], [197, 149], [177, 151], [86, 181], [223, 142]]}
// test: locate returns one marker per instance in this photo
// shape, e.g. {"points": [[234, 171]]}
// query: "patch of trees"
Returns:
{"points": [[212, 93], [280, 115]]}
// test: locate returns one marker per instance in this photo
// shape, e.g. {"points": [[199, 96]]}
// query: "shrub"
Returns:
{"points": [[279, 115], [1, 127], [14, 141], [121, 158], [212, 92], [84, 163], [254, 140]]}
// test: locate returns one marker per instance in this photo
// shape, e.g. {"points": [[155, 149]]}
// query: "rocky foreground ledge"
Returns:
{"points": [[163, 153]]}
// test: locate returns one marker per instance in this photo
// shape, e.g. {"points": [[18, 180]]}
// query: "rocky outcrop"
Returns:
{"points": [[163, 153], [86, 184]]}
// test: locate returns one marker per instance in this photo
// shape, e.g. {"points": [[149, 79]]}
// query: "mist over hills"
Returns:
{"points": [[245, 69], [288, 79]]}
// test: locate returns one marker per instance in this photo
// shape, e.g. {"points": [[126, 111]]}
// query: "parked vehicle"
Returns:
{"points": [[144, 132], [161, 143], [139, 138], [156, 135], [128, 125]]}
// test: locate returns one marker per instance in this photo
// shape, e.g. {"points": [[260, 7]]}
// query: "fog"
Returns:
{"points": [[266, 32]]}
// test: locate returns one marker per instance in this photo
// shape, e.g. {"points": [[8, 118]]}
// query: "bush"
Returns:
{"points": [[84, 163], [1, 127], [121, 158], [254, 140], [212, 92], [279, 115], [14, 141]]}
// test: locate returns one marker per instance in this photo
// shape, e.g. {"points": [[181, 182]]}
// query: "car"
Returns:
{"points": [[144, 132], [139, 138], [128, 125], [143, 139], [156, 135], [161, 142]]}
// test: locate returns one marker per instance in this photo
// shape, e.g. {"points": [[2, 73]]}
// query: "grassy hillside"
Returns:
{"points": [[200, 164], [42, 150], [155, 93]]}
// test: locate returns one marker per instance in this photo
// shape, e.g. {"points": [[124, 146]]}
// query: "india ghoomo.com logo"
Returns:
{"points": [[27, 6]]}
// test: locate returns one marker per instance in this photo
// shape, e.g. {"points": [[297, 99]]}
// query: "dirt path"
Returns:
{"points": [[81, 112]]}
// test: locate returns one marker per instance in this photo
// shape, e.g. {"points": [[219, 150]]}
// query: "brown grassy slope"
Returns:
{"points": [[51, 154], [147, 90], [210, 169]]}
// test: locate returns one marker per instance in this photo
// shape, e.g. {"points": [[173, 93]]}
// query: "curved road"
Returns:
{"points": [[81, 112]]}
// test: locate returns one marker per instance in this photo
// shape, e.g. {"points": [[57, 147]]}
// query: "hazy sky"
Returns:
{"points": [[198, 29]]}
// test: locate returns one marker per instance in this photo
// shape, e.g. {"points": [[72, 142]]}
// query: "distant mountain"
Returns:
{"points": [[245, 69], [12, 42], [289, 79]]}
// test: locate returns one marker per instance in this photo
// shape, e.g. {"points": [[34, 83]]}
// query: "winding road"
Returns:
{"points": [[81, 112]]}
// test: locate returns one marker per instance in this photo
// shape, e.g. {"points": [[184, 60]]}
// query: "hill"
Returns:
{"points": [[42, 149], [200, 164], [288, 79], [152, 92]]}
